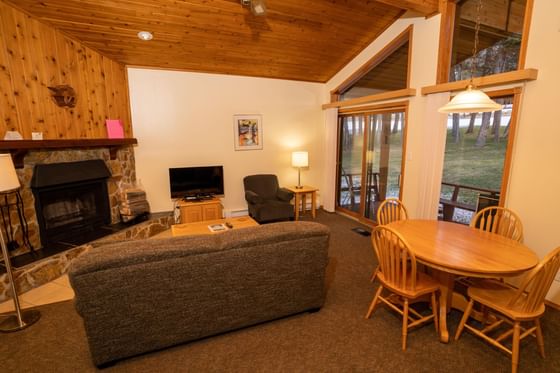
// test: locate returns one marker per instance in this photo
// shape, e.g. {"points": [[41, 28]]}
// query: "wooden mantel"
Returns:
{"points": [[19, 148]]}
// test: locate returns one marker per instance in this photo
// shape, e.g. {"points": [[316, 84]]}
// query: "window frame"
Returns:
{"points": [[446, 33], [517, 93]]}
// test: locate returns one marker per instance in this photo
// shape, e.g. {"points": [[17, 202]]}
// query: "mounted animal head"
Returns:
{"points": [[63, 95]]}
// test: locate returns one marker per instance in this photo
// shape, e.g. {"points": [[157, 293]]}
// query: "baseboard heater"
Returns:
{"points": [[235, 213]]}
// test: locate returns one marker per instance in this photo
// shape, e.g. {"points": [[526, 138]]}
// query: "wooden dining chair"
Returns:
{"points": [[499, 220], [399, 275], [390, 210], [513, 306]]}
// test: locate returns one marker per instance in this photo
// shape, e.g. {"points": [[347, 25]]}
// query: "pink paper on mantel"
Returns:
{"points": [[114, 129]]}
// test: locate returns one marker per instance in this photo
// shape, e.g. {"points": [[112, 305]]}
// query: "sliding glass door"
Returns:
{"points": [[370, 160]]}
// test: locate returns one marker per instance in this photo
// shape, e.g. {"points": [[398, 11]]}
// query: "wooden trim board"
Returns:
{"points": [[407, 92], [511, 77]]}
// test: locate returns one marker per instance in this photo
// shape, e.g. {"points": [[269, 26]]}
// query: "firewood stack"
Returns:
{"points": [[133, 204]]}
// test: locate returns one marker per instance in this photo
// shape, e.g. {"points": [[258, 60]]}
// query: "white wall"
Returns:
{"points": [[534, 190], [186, 119]]}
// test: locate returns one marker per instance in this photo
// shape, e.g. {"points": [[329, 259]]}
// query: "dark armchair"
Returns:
{"points": [[267, 201]]}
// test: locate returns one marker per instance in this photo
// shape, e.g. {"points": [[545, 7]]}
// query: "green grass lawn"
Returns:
{"points": [[467, 164]]}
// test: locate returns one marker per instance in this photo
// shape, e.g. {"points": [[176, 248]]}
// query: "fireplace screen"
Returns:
{"points": [[70, 210], [71, 201]]}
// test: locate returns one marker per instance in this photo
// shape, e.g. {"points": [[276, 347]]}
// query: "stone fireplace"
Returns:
{"points": [[121, 170], [48, 266]]}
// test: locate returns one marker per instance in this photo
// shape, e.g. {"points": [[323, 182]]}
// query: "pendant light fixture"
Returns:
{"points": [[471, 100]]}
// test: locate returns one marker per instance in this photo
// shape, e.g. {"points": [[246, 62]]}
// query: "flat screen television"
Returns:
{"points": [[196, 182]]}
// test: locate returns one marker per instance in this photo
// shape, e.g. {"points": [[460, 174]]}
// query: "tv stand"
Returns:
{"points": [[199, 210]]}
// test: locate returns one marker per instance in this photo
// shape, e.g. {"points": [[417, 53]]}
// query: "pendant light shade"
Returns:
{"points": [[470, 101]]}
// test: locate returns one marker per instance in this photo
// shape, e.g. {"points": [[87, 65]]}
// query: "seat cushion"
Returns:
{"points": [[424, 285], [271, 210], [497, 295]]}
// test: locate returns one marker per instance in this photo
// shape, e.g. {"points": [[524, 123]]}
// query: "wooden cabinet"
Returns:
{"points": [[200, 210]]}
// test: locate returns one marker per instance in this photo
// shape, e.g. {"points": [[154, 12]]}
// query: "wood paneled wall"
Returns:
{"points": [[34, 56]]}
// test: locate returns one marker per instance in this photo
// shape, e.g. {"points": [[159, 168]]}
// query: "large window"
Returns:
{"points": [[476, 161], [502, 38], [370, 161], [387, 71]]}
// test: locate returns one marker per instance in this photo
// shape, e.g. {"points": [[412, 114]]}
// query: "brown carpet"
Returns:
{"points": [[335, 339]]}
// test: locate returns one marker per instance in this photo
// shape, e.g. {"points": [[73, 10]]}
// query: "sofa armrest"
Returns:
{"points": [[253, 197], [285, 195]]}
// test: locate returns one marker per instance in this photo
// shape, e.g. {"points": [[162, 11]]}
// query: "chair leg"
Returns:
{"points": [[515, 347], [374, 274], [540, 339], [435, 312], [374, 302], [464, 319], [405, 324], [484, 310]]}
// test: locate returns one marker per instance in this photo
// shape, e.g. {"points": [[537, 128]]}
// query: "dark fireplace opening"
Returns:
{"points": [[71, 202], [72, 214]]}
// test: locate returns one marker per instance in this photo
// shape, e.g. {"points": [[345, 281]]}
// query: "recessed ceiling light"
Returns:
{"points": [[145, 35]]}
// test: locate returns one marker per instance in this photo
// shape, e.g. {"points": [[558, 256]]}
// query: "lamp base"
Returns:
{"points": [[11, 323], [299, 186]]}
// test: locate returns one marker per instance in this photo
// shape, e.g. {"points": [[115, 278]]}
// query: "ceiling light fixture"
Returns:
{"points": [[145, 35], [258, 7], [471, 100]]}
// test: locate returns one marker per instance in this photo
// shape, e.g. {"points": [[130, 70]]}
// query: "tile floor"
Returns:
{"points": [[55, 291]]}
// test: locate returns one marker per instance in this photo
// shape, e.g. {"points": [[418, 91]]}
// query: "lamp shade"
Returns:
{"points": [[8, 176], [300, 159], [470, 101]]}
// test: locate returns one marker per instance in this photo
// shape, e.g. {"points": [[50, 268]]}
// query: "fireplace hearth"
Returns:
{"points": [[71, 202]]}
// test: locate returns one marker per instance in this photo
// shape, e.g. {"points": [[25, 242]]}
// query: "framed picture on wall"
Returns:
{"points": [[248, 132]]}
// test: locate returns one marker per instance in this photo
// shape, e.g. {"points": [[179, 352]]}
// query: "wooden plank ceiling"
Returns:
{"points": [[301, 40]]}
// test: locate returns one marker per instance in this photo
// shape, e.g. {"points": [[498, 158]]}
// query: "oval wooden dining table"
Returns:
{"points": [[452, 249]]}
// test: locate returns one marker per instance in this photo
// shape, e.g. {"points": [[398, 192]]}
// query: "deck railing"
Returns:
{"points": [[449, 204]]}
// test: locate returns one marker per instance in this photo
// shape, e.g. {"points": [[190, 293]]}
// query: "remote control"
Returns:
{"points": [[228, 224]]}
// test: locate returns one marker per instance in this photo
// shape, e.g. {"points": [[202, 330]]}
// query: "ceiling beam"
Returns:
{"points": [[425, 7]]}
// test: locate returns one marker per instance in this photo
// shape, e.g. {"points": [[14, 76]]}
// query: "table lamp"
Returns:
{"points": [[21, 320], [299, 160]]}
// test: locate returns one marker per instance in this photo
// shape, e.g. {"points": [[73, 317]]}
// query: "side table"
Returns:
{"points": [[300, 197]]}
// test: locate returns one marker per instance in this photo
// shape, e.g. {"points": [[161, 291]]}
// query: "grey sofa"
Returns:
{"points": [[145, 295], [266, 201]]}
